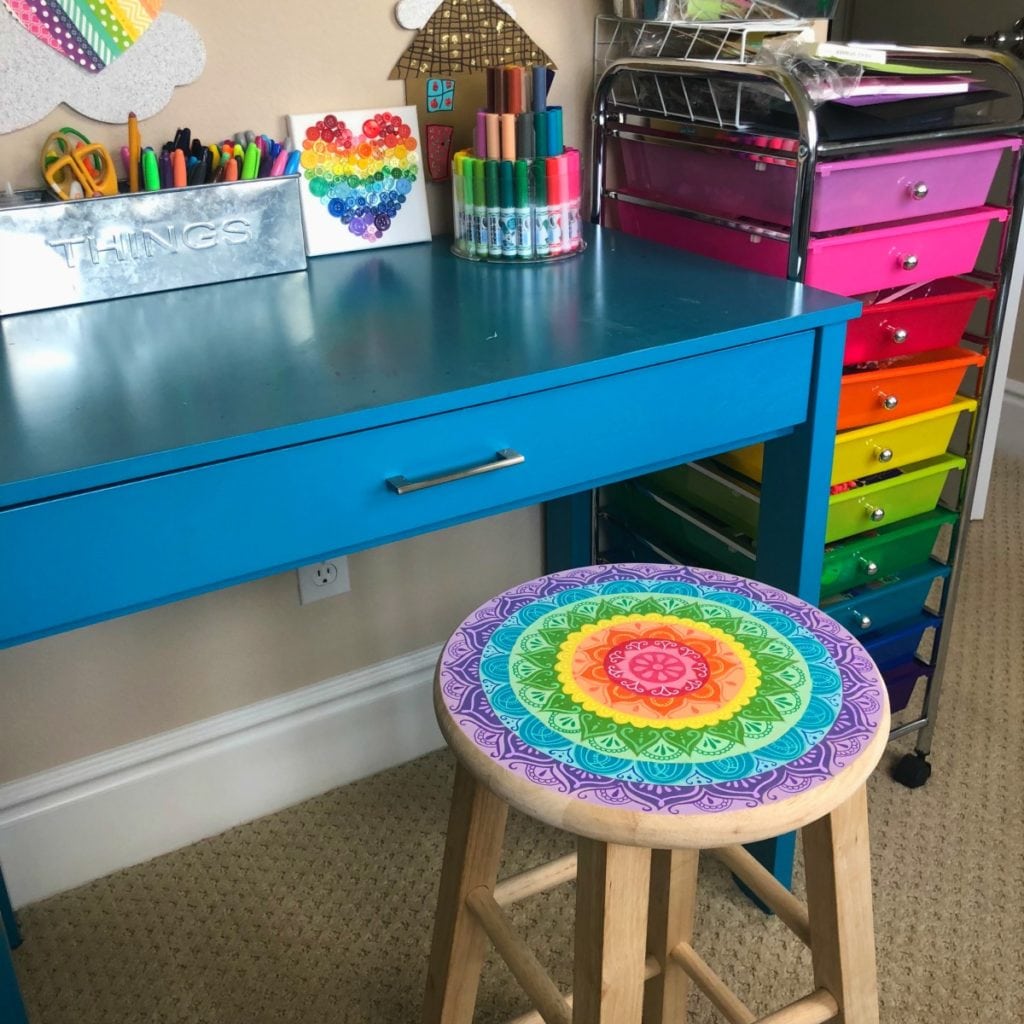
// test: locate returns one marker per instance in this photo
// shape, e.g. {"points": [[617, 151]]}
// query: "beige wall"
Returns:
{"points": [[107, 685]]}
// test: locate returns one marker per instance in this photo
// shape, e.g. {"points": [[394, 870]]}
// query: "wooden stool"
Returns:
{"points": [[655, 711]]}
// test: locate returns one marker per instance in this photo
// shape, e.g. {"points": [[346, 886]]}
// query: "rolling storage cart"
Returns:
{"points": [[911, 206]]}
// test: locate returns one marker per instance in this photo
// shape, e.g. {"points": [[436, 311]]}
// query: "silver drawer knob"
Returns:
{"points": [[877, 515], [870, 568], [890, 401], [861, 621], [908, 262], [900, 335], [919, 191], [884, 454]]}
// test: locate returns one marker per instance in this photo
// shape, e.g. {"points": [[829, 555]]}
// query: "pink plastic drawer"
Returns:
{"points": [[847, 263], [935, 315], [753, 251], [847, 193], [897, 186], [899, 254]]}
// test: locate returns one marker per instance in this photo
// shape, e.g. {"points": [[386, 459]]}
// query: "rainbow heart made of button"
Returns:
{"points": [[364, 178], [89, 33]]}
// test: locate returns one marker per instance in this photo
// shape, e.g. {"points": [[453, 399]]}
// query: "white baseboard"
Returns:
{"points": [[83, 820], [1010, 438]]}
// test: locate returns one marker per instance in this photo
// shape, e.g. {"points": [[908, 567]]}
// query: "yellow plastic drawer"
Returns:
{"points": [[873, 449]]}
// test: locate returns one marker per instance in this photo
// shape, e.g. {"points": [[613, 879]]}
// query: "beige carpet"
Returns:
{"points": [[321, 914]]}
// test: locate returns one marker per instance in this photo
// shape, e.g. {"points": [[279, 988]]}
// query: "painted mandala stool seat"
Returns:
{"points": [[656, 711]]}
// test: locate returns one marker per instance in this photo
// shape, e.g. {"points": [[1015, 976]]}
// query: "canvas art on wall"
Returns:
{"points": [[362, 179]]}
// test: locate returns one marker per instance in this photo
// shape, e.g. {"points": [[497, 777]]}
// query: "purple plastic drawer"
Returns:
{"points": [[847, 193], [898, 186], [849, 263]]}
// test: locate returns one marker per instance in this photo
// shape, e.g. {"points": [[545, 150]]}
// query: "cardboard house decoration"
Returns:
{"points": [[444, 75]]}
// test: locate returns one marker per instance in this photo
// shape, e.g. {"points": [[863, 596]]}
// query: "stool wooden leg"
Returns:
{"points": [[476, 831], [838, 865], [669, 922], [612, 889]]}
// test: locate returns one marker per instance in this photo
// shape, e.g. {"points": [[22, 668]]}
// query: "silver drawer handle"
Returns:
{"points": [[890, 402], [870, 568], [919, 191], [908, 262], [861, 621], [502, 460], [884, 454], [876, 514], [900, 335]]}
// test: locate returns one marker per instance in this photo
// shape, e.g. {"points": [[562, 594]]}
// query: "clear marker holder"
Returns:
{"points": [[532, 228]]}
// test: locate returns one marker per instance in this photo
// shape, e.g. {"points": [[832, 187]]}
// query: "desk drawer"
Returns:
{"points": [[904, 387], [235, 520], [876, 448]]}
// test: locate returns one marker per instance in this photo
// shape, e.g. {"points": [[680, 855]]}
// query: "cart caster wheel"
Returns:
{"points": [[912, 771]]}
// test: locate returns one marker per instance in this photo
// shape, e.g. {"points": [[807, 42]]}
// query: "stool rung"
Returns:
{"points": [[704, 977], [817, 1008], [526, 968], [536, 880], [651, 968], [791, 911]]}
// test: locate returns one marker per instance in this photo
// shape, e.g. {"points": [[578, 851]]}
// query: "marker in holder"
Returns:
{"points": [[517, 211]]}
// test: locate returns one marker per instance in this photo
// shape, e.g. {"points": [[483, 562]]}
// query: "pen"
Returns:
{"points": [[493, 137], [179, 171], [126, 159], [508, 212], [266, 162], [524, 136], [280, 161], [134, 153], [479, 197], [150, 171], [214, 157], [493, 210], [165, 170], [231, 169], [469, 223], [524, 225], [540, 88], [555, 236], [540, 133], [508, 136], [292, 166], [540, 208], [555, 144], [480, 134], [575, 227], [251, 163]]}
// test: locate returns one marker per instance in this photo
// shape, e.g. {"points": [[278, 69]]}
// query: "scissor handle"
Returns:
{"points": [[62, 173]]}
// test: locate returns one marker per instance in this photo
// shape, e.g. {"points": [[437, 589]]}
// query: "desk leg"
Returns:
{"points": [[797, 473], [12, 1008], [569, 540], [794, 509]]}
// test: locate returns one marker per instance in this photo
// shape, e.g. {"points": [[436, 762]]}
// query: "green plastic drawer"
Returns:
{"points": [[683, 536], [882, 552], [884, 603], [907, 492], [728, 498]]}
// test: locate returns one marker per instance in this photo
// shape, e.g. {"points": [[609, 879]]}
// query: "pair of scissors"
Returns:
{"points": [[73, 167]]}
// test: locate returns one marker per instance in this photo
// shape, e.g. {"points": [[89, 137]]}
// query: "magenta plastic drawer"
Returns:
{"points": [[898, 186], [847, 193], [899, 254], [846, 263], [933, 316]]}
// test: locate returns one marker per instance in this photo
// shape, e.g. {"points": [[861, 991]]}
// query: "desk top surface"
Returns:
{"points": [[101, 393]]}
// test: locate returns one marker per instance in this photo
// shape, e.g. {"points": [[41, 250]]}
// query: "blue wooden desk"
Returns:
{"points": [[244, 429]]}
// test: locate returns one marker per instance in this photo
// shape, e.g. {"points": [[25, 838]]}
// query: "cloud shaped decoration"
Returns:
{"points": [[416, 13], [34, 78]]}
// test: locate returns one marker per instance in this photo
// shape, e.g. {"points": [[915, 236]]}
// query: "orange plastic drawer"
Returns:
{"points": [[903, 387]]}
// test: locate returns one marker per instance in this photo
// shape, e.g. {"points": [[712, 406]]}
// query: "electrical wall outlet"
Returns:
{"points": [[325, 579]]}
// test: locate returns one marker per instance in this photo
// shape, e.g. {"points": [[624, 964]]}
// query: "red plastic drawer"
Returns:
{"points": [[935, 315]]}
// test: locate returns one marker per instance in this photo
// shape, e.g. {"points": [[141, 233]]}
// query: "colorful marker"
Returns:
{"points": [[540, 208], [483, 241], [506, 191], [493, 209], [470, 229], [524, 221], [150, 171], [555, 235]]}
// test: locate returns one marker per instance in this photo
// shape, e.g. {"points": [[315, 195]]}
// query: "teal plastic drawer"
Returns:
{"points": [[886, 602]]}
